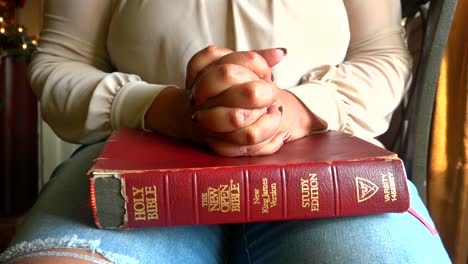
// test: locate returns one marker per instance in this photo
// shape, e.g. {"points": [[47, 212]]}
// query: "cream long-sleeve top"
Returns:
{"points": [[100, 64]]}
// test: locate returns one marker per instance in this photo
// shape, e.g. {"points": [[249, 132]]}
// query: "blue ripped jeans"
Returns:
{"points": [[62, 219]]}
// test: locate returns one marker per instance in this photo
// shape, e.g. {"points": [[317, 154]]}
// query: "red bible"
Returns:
{"points": [[142, 179]]}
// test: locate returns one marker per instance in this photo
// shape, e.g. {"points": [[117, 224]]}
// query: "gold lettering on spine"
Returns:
{"points": [[256, 199], [152, 203], [213, 203], [139, 204], [274, 195], [310, 193], [204, 199], [235, 197], [269, 196], [314, 193], [393, 189], [389, 187], [225, 198], [305, 193], [386, 187], [265, 196], [145, 203]]}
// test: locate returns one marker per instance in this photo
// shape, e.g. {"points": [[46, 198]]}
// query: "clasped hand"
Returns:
{"points": [[232, 104], [237, 107]]}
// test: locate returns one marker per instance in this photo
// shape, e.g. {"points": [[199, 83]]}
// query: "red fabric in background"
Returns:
{"points": [[18, 139]]}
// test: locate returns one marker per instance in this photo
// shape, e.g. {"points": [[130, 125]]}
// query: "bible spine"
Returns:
{"points": [[156, 198]]}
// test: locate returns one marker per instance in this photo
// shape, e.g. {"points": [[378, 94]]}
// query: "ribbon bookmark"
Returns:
{"points": [[432, 229]]}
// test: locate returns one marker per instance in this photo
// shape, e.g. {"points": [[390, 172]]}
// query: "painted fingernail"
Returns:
{"points": [[285, 51], [196, 117]]}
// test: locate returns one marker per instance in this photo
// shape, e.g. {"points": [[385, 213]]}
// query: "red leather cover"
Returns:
{"points": [[167, 182]]}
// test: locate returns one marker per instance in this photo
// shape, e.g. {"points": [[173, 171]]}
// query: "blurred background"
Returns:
{"points": [[30, 151]]}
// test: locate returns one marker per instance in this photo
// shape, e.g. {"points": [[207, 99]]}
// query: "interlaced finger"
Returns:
{"points": [[251, 95], [228, 149], [261, 130], [201, 60], [226, 119], [216, 80]]}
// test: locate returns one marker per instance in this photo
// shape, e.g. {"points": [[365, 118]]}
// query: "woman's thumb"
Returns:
{"points": [[272, 56]]}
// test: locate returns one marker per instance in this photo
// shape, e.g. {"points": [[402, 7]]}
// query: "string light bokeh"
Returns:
{"points": [[14, 40]]}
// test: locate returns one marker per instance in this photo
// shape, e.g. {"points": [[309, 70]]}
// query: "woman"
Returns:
{"points": [[242, 77]]}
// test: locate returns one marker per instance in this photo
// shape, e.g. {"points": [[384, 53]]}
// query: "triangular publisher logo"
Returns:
{"points": [[365, 189]]}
